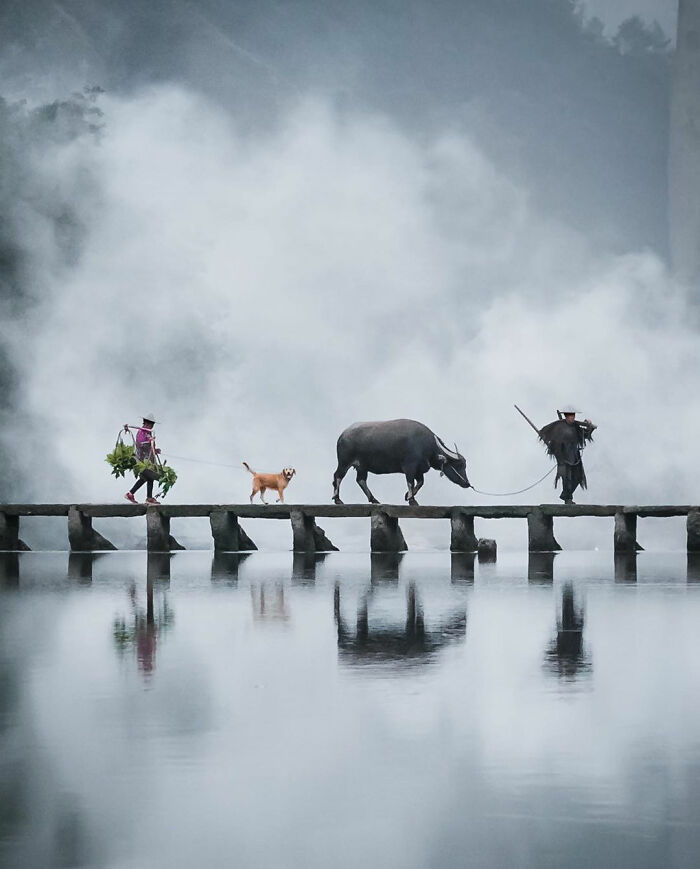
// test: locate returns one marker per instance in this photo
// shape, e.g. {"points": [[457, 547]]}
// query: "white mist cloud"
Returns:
{"points": [[261, 294]]}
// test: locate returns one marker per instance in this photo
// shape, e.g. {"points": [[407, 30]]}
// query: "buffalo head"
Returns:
{"points": [[452, 464]]}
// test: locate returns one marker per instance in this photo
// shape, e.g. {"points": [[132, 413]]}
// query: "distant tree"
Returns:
{"points": [[636, 38], [594, 29]]}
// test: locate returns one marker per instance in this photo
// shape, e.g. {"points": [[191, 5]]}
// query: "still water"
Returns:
{"points": [[426, 711]]}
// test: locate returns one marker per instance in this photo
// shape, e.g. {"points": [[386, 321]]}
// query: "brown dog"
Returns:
{"points": [[262, 482]]}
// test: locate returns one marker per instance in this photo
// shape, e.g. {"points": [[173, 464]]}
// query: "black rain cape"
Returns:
{"points": [[564, 442]]}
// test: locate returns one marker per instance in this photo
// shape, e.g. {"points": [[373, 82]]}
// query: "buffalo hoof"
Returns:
{"points": [[412, 502], [337, 501], [373, 501]]}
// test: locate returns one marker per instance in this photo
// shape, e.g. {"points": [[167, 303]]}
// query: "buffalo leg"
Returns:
{"points": [[362, 483], [417, 486], [340, 473], [415, 482]]}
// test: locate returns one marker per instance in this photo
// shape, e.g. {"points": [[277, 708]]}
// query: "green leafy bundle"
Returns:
{"points": [[122, 459], [145, 465], [167, 479]]}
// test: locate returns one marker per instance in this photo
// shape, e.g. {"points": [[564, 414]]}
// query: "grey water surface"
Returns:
{"points": [[419, 711]]}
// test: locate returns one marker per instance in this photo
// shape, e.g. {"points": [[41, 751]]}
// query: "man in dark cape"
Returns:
{"points": [[564, 439]]}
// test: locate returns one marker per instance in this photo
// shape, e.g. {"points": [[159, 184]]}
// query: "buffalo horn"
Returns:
{"points": [[449, 453]]}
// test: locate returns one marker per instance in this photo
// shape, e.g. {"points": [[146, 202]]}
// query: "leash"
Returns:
{"points": [[520, 491], [203, 462], [478, 491]]}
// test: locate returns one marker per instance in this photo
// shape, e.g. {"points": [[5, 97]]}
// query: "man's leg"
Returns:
{"points": [[568, 485], [576, 477], [561, 474]]}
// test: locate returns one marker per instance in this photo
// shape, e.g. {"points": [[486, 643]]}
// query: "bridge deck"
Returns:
{"points": [[385, 536], [347, 511]]}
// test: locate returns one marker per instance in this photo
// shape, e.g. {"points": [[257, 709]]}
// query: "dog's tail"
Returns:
{"points": [[248, 468]]}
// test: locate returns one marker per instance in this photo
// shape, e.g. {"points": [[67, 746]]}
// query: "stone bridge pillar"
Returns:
{"points": [[488, 549], [463, 537], [626, 532], [693, 529], [9, 534], [385, 535], [228, 534], [82, 536], [307, 536], [157, 531], [158, 537], [540, 531]]}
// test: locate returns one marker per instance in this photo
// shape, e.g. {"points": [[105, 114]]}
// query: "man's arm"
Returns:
{"points": [[586, 428]]}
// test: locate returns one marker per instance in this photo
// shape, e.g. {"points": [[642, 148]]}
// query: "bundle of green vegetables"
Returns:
{"points": [[122, 459], [167, 479], [144, 465]]}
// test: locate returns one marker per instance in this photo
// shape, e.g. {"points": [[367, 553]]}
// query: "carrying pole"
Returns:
{"points": [[527, 419]]}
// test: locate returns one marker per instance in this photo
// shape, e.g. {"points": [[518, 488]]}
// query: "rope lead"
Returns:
{"points": [[203, 462], [520, 491], [478, 491]]}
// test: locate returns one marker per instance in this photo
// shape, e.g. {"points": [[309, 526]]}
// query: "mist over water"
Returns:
{"points": [[260, 289]]}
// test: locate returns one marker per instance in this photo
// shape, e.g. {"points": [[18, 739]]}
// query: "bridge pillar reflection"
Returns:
{"points": [[540, 567], [462, 567], [625, 567], [9, 570]]}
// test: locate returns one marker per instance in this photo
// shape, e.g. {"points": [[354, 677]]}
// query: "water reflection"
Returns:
{"points": [[567, 656], [225, 567], [269, 603], [384, 567], [140, 631], [304, 567], [158, 567], [80, 565], [693, 574], [238, 745], [540, 567], [462, 567], [9, 570], [401, 646], [625, 567]]}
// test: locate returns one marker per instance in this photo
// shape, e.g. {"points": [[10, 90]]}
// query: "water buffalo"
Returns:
{"points": [[397, 446]]}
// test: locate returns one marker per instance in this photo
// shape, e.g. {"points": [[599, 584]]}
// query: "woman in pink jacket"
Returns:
{"points": [[145, 450]]}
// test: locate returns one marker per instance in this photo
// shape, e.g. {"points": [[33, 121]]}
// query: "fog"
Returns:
{"points": [[261, 262]]}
